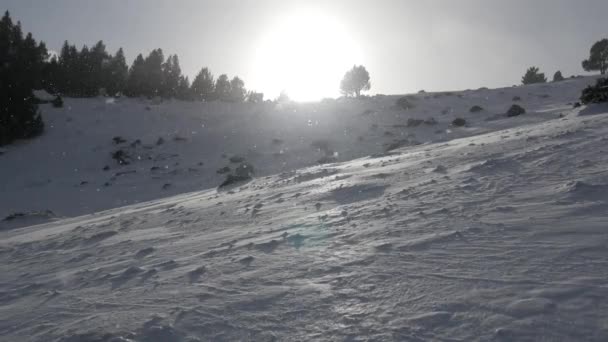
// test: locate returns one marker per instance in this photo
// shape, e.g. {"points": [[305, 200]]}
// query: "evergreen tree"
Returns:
{"points": [[20, 69], [99, 76], [153, 76], [172, 75], [222, 88], [203, 87], [354, 81], [51, 75], [237, 90], [183, 89], [557, 77], [117, 73], [533, 76], [137, 77], [598, 57]]}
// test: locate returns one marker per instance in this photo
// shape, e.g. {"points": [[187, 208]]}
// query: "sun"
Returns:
{"points": [[305, 54]]}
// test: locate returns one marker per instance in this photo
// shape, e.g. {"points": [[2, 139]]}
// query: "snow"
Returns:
{"points": [[494, 231]]}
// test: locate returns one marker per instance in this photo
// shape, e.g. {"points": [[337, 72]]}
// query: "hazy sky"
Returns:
{"points": [[405, 45]]}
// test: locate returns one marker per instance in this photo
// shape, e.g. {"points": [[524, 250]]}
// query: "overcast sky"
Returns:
{"points": [[405, 45]]}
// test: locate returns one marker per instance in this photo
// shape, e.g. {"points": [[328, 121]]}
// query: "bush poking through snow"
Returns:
{"points": [[327, 160], [223, 170], [121, 157], [118, 140], [459, 122], [515, 110], [475, 109], [57, 102], [242, 173], [322, 146], [597, 93], [405, 103], [430, 122], [414, 122], [236, 159]]}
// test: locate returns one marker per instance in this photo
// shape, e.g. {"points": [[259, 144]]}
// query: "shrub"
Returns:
{"points": [[121, 157], [244, 170], [223, 170], [236, 159], [118, 140], [322, 146], [515, 110], [596, 93], [459, 122], [414, 122], [405, 103], [475, 109]]}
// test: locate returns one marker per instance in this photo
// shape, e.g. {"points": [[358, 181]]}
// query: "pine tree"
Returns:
{"points": [[20, 70], [137, 77], [172, 75], [203, 87], [183, 89], [153, 67], [557, 77], [533, 76], [237, 90], [598, 57], [222, 88], [117, 73]]}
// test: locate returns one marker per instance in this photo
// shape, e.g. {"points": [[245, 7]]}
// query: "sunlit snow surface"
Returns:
{"points": [[497, 231]]}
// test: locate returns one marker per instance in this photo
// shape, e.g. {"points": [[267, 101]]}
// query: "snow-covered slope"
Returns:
{"points": [[497, 235], [74, 157]]}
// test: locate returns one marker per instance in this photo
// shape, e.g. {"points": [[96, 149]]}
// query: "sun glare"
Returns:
{"points": [[304, 54]]}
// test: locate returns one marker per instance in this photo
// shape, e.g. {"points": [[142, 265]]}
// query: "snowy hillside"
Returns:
{"points": [[495, 231], [178, 147]]}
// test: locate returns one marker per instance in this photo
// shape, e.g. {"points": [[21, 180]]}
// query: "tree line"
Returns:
{"points": [[93, 71], [25, 64]]}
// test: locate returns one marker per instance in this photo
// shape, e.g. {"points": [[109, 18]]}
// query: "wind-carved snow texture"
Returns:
{"points": [[499, 235]]}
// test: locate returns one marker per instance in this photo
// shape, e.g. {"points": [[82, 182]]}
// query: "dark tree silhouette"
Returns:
{"points": [[117, 73], [184, 91], [172, 74], [557, 77], [137, 77], [354, 81], [21, 65], [203, 87], [598, 57], [533, 76], [237, 90], [153, 75], [222, 88]]}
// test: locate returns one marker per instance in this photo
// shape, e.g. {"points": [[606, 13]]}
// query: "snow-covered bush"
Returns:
{"points": [[596, 93]]}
